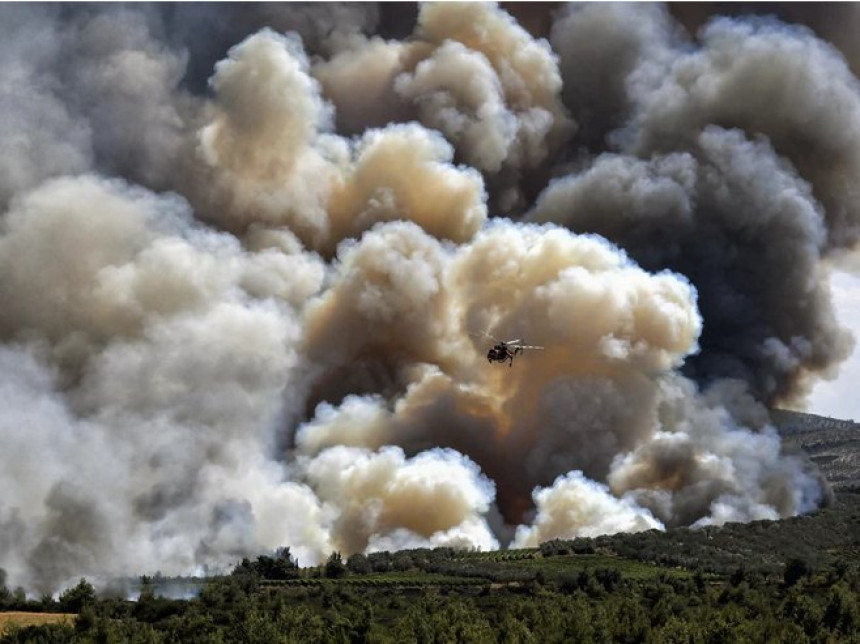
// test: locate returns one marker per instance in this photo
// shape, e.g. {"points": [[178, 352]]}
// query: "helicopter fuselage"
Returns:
{"points": [[502, 352]]}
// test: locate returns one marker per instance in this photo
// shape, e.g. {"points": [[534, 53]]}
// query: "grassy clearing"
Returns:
{"points": [[479, 570], [627, 567], [23, 619]]}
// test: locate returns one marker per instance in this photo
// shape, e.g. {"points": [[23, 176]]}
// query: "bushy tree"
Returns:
{"points": [[358, 564], [334, 567], [74, 599], [841, 613], [278, 567], [5, 593], [795, 570], [281, 566]]}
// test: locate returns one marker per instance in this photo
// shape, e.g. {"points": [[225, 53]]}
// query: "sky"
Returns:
{"points": [[838, 398], [249, 252]]}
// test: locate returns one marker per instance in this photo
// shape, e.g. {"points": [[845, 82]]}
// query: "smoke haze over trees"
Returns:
{"points": [[244, 251]]}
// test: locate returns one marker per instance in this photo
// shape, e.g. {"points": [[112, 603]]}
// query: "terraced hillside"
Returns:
{"points": [[833, 444]]}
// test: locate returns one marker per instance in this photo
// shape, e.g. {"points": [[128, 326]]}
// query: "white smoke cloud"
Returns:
{"points": [[360, 81], [472, 73], [274, 163], [381, 498], [484, 127], [173, 374], [705, 452], [576, 507]]}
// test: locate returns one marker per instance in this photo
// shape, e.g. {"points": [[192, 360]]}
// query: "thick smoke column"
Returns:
{"points": [[713, 181], [246, 263]]}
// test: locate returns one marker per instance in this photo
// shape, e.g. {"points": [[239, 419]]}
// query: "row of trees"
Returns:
{"points": [[793, 580], [72, 600], [583, 606], [762, 547]]}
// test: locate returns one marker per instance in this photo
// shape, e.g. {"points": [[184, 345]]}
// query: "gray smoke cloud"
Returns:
{"points": [[731, 169], [598, 48], [248, 255]]}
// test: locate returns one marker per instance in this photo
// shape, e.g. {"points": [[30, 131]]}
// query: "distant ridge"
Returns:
{"points": [[832, 443]]}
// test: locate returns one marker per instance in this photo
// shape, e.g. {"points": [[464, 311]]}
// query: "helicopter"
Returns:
{"points": [[506, 351]]}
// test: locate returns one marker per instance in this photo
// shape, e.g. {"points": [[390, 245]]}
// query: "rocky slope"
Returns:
{"points": [[832, 443]]}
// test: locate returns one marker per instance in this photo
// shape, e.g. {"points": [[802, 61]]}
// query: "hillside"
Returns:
{"points": [[769, 581], [833, 444]]}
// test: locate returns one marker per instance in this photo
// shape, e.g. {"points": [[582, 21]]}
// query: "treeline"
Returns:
{"points": [[796, 580], [761, 547], [593, 605], [70, 601]]}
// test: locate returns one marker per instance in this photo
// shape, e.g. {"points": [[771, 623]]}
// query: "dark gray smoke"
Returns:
{"points": [[247, 253], [731, 169]]}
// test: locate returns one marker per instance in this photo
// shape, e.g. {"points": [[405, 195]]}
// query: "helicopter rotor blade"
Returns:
{"points": [[483, 333]]}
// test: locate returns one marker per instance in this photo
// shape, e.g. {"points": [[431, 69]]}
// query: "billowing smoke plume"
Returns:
{"points": [[250, 260], [470, 72], [732, 170]]}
